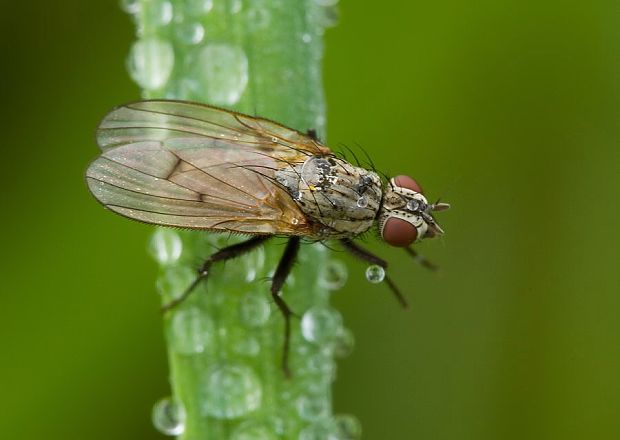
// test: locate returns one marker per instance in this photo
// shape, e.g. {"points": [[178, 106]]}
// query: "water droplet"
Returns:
{"points": [[321, 363], [198, 7], [190, 33], [222, 72], [158, 13], [334, 275], [235, 6], [165, 246], [252, 430], [347, 427], [150, 62], [254, 310], [231, 391], [320, 324], [326, 2], [244, 344], [362, 202], [168, 417], [413, 205], [254, 263], [174, 281], [344, 343], [191, 331], [375, 274], [328, 16], [130, 6], [313, 408], [323, 430], [306, 38], [258, 17]]}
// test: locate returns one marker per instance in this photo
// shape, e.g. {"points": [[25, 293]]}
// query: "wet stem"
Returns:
{"points": [[225, 341]]}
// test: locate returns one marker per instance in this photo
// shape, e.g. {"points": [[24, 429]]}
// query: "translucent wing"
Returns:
{"points": [[189, 165]]}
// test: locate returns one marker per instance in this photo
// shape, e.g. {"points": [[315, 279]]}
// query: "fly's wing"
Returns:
{"points": [[188, 165]]}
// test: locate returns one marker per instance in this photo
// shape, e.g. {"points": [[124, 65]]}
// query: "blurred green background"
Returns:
{"points": [[509, 110]]}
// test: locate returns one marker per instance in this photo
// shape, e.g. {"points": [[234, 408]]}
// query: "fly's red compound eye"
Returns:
{"points": [[398, 232], [408, 182]]}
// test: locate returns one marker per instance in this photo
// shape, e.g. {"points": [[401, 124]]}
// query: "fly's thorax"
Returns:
{"points": [[342, 197]]}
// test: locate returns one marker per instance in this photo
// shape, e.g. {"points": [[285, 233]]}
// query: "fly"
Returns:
{"points": [[189, 165]]}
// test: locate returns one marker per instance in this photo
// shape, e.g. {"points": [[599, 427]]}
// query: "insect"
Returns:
{"points": [[189, 165]]}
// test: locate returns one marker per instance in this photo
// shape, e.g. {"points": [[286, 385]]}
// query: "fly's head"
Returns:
{"points": [[405, 215]]}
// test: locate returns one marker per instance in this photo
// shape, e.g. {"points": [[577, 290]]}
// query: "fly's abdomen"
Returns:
{"points": [[342, 197]]}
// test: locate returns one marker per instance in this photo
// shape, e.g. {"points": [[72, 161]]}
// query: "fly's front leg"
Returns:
{"points": [[223, 254], [283, 270], [367, 256], [421, 259]]}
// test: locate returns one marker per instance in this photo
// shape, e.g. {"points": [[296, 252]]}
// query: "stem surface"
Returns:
{"points": [[225, 341]]}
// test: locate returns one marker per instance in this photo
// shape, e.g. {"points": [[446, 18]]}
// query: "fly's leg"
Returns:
{"points": [[224, 254], [283, 270], [365, 255], [421, 259]]}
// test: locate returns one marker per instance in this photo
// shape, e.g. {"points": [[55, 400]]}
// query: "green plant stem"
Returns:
{"points": [[225, 342]]}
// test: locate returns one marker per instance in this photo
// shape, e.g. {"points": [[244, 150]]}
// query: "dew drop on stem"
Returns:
{"points": [[168, 417], [150, 62], [230, 391]]}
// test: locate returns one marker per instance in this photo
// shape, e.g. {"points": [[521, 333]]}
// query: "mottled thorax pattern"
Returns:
{"points": [[343, 198]]}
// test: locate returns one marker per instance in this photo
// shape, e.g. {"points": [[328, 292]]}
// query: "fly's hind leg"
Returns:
{"points": [[367, 256], [283, 270], [223, 254]]}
